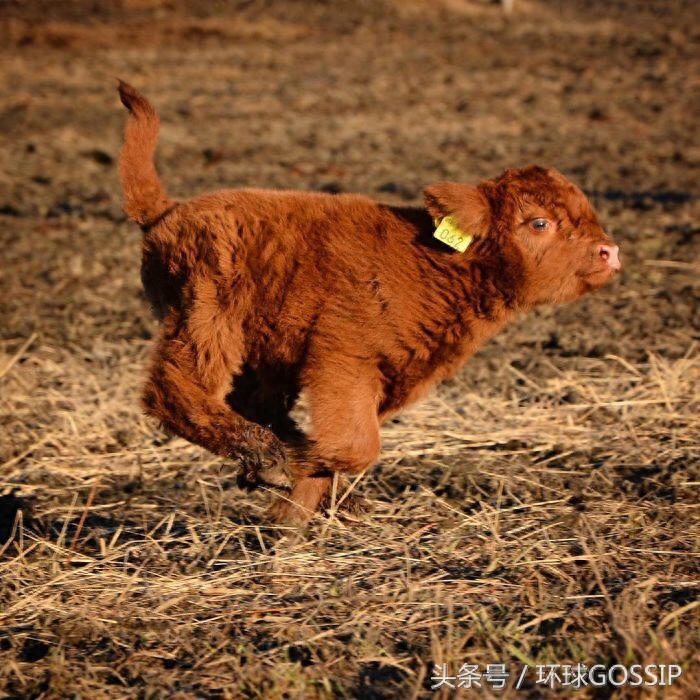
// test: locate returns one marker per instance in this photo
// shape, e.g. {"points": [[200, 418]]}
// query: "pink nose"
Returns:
{"points": [[609, 253]]}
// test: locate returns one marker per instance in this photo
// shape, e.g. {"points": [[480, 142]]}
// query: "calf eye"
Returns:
{"points": [[539, 225]]}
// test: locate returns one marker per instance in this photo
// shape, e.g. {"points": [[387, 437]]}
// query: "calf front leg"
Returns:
{"points": [[344, 438]]}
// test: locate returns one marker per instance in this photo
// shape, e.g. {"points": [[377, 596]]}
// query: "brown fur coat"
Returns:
{"points": [[263, 294]]}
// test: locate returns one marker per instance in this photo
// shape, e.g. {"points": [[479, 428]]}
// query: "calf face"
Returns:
{"points": [[542, 224]]}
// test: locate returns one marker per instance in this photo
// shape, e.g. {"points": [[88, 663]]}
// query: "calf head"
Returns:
{"points": [[538, 225]]}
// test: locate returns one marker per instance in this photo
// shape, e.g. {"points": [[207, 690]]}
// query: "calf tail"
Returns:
{"points": [[145, 199]]}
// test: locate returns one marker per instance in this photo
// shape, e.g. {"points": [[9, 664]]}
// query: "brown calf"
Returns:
{"points": [[264, 294]]}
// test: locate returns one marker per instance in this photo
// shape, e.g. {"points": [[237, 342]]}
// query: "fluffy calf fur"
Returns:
{"points": [[264, 294]]}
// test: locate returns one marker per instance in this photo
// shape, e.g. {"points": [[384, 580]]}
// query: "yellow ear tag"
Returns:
{"points": [[450, 234]]}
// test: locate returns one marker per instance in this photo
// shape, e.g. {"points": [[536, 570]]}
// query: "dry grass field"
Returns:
{"points": [[541, 508]]}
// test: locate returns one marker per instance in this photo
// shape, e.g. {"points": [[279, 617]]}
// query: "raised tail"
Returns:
{"points": [[145, 199]]}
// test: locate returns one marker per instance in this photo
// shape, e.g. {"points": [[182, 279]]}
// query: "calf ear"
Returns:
{"points": [[465, 202]]}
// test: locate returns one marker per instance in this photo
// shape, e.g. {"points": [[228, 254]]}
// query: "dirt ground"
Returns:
{"points": [[542, 508]]}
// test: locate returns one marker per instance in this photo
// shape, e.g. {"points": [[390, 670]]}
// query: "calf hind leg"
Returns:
{"points": [[266, 400], [186, 391]]}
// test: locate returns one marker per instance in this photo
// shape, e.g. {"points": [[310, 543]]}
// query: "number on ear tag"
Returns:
{"points": [[450, 234]]}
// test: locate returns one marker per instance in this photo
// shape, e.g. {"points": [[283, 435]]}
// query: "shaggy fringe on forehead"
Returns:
{"points": [[542, 186]]}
